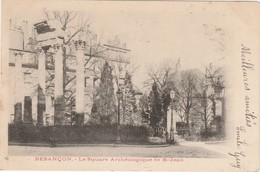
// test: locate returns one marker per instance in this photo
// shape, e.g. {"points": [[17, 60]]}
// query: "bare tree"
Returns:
{"points": [[203, 106], [214, 75], [215, 82], [165, 76], [160, 74], [207, 92], [187, 92]]}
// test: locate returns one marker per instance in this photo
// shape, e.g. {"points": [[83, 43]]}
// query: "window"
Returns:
{"points": [[27, 78]]}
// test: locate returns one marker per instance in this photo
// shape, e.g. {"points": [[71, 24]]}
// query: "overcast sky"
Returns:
{"points": [[158, 31]]}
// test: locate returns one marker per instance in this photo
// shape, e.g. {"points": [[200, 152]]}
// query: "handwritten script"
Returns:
{"points": [[250, 118]]}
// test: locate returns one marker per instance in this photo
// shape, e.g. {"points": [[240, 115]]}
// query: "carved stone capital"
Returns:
{"points": [[54, 48]]}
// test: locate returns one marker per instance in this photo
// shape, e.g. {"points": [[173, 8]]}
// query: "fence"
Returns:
{"points": [[158, 131]]}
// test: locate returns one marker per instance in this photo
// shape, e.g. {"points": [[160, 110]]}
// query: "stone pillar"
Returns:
{"points": [[168, 126], [26, 34], [49, 111], [41, 88], [34, 108], [80, 80], [28, 110], [88, 95], [40, 106], [59, 103], [175, 118], [18, 92], [42, 70]]}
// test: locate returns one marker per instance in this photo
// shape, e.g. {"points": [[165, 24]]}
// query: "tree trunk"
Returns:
{"points": [[205, 121], [64, 68], [188, 117]]}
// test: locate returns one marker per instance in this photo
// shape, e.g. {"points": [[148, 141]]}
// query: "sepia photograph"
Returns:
{"points": [[127, 82]]}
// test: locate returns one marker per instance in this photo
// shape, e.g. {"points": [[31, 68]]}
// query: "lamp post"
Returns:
{"points": [[119, 96], [172, 95], [218, 96]]}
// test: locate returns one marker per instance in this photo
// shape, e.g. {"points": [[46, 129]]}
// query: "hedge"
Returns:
{"points": [[24, 133]]}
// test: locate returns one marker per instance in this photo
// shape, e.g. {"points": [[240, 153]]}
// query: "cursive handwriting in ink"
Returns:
{"points": [[250, 116], [238, 138], [246, 65], [237, 156]]}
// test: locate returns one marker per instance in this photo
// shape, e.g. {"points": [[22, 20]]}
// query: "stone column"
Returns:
{"points": [[41, 89], [175, 117], [49, 109], [168, 125], [59, 103], [80, 80], [18, 92], [28, 110], [42, 70], [26, 34]]}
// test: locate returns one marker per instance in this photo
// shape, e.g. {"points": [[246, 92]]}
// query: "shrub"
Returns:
{"points": [[24, 133]]}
